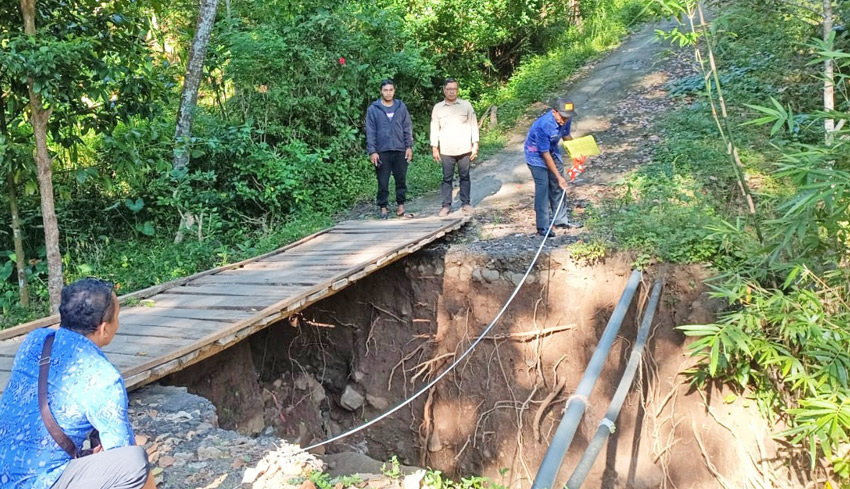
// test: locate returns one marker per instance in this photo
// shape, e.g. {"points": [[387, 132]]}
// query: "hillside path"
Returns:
{"points": [[617, 98]]}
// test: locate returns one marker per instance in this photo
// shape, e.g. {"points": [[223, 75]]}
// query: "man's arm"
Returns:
{"points": [[474, 130], [107, 413], [407, 125], [370, 132], [371, 143], [435, 134], [550, 164]]}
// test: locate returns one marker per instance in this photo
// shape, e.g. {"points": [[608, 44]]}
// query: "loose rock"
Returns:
{"points": [[377, 402], [351, 399]]}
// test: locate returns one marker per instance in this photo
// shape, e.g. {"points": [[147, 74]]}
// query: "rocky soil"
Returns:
{"points": [[186, 449]]}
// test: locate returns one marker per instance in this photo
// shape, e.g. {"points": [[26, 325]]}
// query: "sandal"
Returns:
{"points": [[383, 214], [402, 214]]}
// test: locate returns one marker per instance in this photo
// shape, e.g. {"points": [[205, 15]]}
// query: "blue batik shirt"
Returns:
{"points": [[85, 391], [545, 135]]}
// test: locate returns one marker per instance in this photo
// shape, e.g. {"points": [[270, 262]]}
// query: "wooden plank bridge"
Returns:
{"points": [[168, 327]]}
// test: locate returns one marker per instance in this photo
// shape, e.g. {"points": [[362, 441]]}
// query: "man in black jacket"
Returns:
{"points": [[389, 143]]}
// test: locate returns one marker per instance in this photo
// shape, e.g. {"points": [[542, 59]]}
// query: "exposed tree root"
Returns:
{"points": [[521, 336], [544, 406], [708, 464], [425, 429], [420, 350]]}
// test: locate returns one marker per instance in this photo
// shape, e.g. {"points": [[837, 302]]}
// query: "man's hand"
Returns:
{"points": [[375, 158], [562, 183], [408, 154], [435, 153], [474, 152]]}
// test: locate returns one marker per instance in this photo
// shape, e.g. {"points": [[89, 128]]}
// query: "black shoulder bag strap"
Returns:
{"points": [[52, 426]]}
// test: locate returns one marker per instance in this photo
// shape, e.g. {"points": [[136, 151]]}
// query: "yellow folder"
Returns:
{"points": [[583, 146]]}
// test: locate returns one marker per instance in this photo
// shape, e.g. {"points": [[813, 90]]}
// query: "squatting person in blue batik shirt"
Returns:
{"points": [[547, 168], [41, 434]]}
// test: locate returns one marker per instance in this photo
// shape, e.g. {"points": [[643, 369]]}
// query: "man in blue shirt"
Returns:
{"points": [[389, 144], [84, 392], [543, 156]]}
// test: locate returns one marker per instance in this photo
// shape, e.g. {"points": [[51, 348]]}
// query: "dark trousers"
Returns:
{"points": [[449, 162], [547, 195], [391, 162]]}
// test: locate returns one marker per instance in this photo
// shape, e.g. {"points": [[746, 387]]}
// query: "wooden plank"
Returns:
{"points": [[237, 291], [358, 233], [211, 302], [398, 223], [170, 322], [295, 275], [189, 313], [351, 250], [125, 362], [123, 342], [6, 363], [256, 280], [288, 263], [284, 280], [348, 241], [4, 379], [196, 331], [275, 275], [331, 254], [353, 233], [331, 238], [303, 261]]}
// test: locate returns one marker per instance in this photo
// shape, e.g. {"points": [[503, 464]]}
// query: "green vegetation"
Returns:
{"points": [[277, 144], [782, 267], [431, 479]]}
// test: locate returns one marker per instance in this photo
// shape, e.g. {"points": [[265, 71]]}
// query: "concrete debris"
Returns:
{"points": [[414, 480]]}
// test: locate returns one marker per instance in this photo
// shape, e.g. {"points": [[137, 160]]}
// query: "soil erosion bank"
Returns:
{"points": [[351, 357]]}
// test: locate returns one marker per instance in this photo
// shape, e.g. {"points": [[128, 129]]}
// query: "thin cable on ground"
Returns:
{"points": [[465, 353]]}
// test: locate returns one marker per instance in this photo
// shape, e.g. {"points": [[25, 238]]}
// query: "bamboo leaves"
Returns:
{"points": [[778, 115]]}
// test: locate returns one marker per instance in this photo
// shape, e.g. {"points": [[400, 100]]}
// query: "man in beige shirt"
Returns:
{"points": [[454, 141]]}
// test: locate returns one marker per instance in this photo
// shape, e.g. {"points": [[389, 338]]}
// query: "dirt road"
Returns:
{"points": [[617, 99]]}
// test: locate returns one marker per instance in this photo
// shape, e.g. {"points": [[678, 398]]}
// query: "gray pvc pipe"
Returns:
{"points": [[606, 426], [554, 457]]}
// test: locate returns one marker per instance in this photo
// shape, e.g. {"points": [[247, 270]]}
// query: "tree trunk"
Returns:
{"points": [[189, 98], [828, 75], [191, 82], [575, 13], [20, 257], [40, 117]]}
